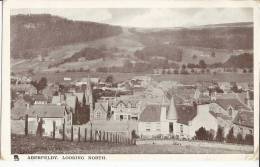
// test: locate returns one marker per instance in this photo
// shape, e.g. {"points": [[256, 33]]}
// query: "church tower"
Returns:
{"points": [[89, 98]]}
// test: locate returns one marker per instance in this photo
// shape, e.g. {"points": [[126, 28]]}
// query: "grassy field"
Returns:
{"points": [[225, 77], [34, 145]]}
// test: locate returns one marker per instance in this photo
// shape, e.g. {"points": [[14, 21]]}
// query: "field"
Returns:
{"points": [[189, 79], [34, 145]]}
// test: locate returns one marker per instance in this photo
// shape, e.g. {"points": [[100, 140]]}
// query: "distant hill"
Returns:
{"points": [[221, 36], [241, 61], [32, 33]]}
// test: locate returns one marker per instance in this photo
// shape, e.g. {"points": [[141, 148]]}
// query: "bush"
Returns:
{"points": [[230, 138], [203, 134], [220, 134], [239, 139], [249, 139]]}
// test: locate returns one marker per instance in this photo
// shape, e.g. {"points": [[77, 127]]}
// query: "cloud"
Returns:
{"points": [[152, 17], [186, 17]]}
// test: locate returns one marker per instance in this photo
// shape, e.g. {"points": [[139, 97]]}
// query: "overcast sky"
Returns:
{"points": [[151, 17]]}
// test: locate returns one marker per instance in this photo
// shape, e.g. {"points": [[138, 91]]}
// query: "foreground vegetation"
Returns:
{"points": [[35, 145]]}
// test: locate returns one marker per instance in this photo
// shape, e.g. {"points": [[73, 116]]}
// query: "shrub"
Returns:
{"points": [[230, 138], [220, 134], [203, 134], [239, 139], [249, 139]]}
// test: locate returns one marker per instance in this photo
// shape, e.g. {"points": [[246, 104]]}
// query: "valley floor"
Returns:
{"points": [[34, 145]]}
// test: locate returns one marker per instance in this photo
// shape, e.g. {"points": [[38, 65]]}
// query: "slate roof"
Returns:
{"points": [[151, 113], [126, 102], [47, 111], [244, 118], [101, 106], [235, 103], [185, 113]]}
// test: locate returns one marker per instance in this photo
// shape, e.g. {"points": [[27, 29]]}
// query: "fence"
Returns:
{"points": [[81, 134]]}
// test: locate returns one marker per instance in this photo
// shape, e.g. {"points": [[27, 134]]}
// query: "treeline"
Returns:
{"points": [[166, 51], [203, 134], [37, 31], [239, 37], [244, 60]]}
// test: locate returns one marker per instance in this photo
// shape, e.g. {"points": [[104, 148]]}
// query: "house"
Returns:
{"points": [[124, 110], [101, 111], [40, 99], [45, 115], [204, 118], [244, 123], [166, 120], [153, 122], [228, 107]]}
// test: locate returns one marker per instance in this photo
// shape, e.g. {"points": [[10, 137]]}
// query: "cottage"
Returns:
{"points": [[43, 116], [164, 120]]}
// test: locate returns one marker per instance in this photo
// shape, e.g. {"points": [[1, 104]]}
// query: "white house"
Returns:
{"points": [[44, 116], [123, 110]]}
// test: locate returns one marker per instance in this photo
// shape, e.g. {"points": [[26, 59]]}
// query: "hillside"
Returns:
{"points": [[73, 45], [35, 34], [221, 36], [241, 61]]}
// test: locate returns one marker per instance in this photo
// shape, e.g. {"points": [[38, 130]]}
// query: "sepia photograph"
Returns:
{"points": [[132, 80]]}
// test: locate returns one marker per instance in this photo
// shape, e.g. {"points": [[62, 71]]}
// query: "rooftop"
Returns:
{"points": [[245, 118]]}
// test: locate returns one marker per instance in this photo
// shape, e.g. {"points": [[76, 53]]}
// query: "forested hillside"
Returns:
{"points": [[230, 36], [241, 61], [32, 32]]}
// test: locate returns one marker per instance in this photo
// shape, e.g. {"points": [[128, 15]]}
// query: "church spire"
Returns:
{"points": [[172, 114]]}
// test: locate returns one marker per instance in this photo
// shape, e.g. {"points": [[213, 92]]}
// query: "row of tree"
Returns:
{"points": [[203, 134]]}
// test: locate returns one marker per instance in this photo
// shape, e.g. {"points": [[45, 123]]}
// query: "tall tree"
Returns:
{"points": [[220, 134], [202, 64], [40, 85]]}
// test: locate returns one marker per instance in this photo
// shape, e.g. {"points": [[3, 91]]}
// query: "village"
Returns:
{"points": [[140, 108]]}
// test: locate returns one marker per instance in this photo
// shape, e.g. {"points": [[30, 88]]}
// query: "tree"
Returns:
{"points": [[176, 71], [110, 79], [40, 85], [220, 134], [230, 138], [84, 100], [249, 139], [202, 64], [239, 138], [201, 134]]}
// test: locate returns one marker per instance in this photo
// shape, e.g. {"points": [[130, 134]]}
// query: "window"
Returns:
{"points": [[98, 115], [148, 130], [181, 129]]}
